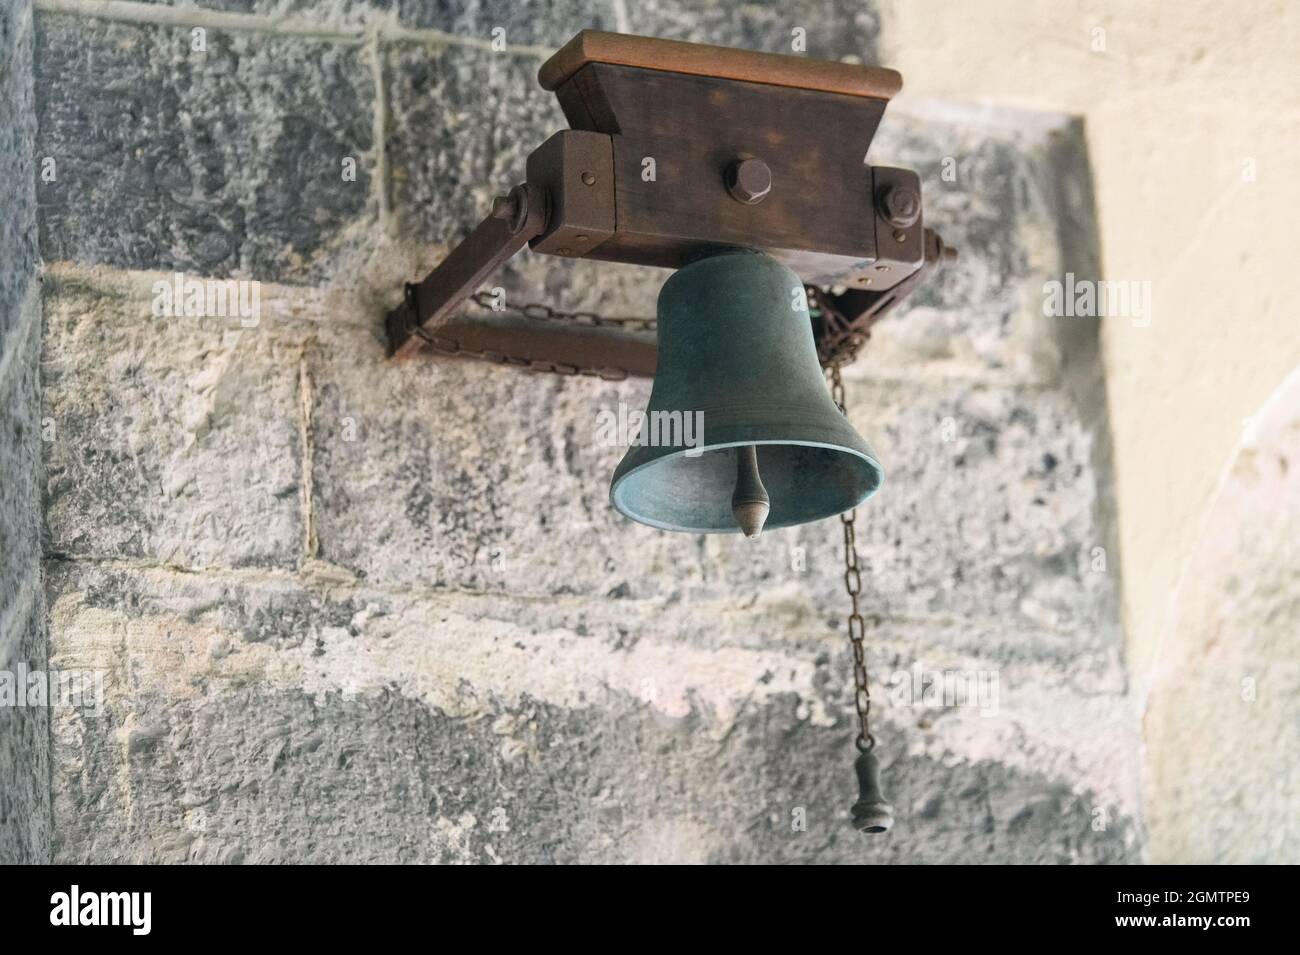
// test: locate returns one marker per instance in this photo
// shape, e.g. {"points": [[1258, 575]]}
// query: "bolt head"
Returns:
{"points": [[512, 208], [503, 207], [749, 181], [901, 206]]}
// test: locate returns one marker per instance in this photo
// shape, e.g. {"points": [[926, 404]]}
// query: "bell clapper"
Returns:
{"points": [[749, 502]]}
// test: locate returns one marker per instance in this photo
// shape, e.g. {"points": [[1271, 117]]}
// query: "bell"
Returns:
{"points": [[769, 446], [872, 812]]}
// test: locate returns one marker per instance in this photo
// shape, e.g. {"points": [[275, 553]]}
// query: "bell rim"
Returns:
{"points": [[621, 478]]}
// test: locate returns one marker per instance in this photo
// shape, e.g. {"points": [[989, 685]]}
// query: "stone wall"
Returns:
{"points": [[347, 611], [24, 729]]}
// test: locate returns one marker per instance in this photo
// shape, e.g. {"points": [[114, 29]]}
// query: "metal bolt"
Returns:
{"points": [[882, 268], [564, 251], [513, 208], [749, 181], [900, 236], [901, 206], [588, 178], [503, 207]]}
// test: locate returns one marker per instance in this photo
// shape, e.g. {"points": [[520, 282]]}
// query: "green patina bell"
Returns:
{"points": [[737, 358]]}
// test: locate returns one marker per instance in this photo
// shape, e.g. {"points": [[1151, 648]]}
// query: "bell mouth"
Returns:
{"points": [[690, 489]]}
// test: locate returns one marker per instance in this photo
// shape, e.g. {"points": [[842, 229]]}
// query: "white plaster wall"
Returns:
{"points": [[1192, 116]]}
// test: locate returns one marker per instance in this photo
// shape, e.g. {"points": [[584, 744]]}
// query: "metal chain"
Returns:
{"points": [[844, 351], [853, 584], [545, 313], [450, 347], [444, 345], [834, 349]]}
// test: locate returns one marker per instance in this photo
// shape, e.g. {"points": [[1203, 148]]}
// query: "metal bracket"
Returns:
{"points": [[678, 149], [515, 219], [842, 321]]}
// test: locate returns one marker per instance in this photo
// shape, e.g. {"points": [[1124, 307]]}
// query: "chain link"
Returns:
{"points": [[450, 347], [444, 345], [541, 312], [853, 585], [843, 352]]}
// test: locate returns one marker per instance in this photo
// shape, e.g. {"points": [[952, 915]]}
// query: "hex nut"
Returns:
{"points": [[900, 205], [749, 181]]}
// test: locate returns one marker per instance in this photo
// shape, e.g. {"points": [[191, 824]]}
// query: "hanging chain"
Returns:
{"points": [[853, 584]]}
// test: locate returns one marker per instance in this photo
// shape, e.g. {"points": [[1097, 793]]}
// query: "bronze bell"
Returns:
{"points": [[872, 812], [736, 352]]}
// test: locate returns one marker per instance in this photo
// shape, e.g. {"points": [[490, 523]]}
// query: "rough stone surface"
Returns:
{"points": [[25, 810], [329, 12], [20, 465], [525, 481], [393, 727], [24, 730], [228, 161], [547, 23], [349, 610], [835, 30], [17, 129], [176, 439], [1011, 191], [451, 148]]}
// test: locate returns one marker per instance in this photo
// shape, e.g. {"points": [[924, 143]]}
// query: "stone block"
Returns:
{"points": [[20, 461], [18, 246], [835, 30], [25, 815], [1010, 193], [224, 162], [174, 440]]}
